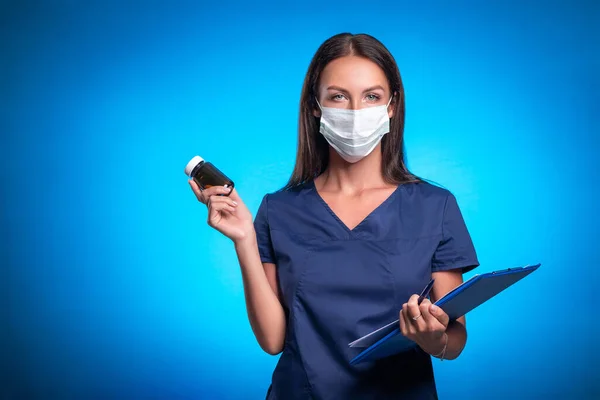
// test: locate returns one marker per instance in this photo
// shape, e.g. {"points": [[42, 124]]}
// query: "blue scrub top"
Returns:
{"points": [[338, 284]]}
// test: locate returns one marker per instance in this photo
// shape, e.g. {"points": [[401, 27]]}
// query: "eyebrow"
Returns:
{"points": [[370, 89]]}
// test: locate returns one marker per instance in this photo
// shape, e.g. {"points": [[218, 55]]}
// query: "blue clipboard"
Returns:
{"points": [[388, 340]]}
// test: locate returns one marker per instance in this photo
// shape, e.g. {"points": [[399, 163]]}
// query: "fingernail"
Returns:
{"points": [[434, 308], [235, 203]]}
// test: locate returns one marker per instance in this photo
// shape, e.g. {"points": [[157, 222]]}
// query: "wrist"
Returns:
{"points": [[441, 347], [246, 239]]}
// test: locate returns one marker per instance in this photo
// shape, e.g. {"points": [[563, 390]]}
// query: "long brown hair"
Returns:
{"points": [[312, 157]]}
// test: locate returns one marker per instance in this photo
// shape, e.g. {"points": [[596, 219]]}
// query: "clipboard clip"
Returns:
{"points": [[510, 269]]}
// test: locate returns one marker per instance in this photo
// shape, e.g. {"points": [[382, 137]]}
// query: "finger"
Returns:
{"points": [[223, 199], [197, 191], [415, 313], [439, 314], [410, 327], [234, 195], [221, 206], [216, 215], [427, 317], [215, 190], [403, 328]]}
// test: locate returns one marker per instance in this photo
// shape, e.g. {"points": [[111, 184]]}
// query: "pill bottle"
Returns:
{"points": [[206, 174]]}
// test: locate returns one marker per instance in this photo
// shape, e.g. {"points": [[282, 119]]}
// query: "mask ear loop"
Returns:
{"points": [[390, 102], [317, 100]]}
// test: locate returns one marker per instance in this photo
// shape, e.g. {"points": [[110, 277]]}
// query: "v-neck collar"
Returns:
{"points": [[313, 188]]}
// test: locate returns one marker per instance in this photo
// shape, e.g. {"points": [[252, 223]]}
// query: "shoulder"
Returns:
{"points": [[288, 196], [426, 191], [422, 208], [282, 201], [425, 199]]}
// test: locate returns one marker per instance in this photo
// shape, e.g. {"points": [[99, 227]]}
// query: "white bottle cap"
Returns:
{"points": [[192, 164]]}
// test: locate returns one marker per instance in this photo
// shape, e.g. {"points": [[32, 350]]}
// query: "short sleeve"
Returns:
{"points": [[455, 250], [263, 232]]}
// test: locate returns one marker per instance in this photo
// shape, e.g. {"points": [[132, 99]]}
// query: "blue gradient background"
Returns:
{"points": [[113, 286]]}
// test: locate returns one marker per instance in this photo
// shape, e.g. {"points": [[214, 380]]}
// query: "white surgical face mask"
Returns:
{"points": [[354, 133]]}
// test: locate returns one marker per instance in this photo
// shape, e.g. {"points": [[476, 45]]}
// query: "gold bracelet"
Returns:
{"points": [[442, 354]]}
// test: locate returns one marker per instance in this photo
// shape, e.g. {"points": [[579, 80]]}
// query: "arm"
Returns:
{"points": [[265, 311], [230, 216], [454, 255], [445, 281], [429, 326]]}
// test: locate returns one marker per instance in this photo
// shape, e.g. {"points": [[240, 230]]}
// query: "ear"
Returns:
{"points": [[392, 106], [317, 112]]}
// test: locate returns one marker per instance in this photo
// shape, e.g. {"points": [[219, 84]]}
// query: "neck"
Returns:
{"points": [[350, 178]]}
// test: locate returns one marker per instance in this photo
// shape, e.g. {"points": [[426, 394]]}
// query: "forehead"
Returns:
{"points": [[353, 73]]}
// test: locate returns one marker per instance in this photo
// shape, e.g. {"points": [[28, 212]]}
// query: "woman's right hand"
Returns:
{"points": [[227, 214]]}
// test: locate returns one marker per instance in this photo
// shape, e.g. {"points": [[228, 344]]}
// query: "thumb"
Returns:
{"points": [[439, 314], [234, 195]]}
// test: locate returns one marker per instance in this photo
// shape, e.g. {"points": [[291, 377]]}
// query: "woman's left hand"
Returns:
{"points": [[424, 324]]}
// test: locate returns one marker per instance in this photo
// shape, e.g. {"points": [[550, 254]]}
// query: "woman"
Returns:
{"points": [[344, 247]]}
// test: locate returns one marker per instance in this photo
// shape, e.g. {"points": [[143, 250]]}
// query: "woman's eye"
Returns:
{"points": [[338, 97], [372, 97]]}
